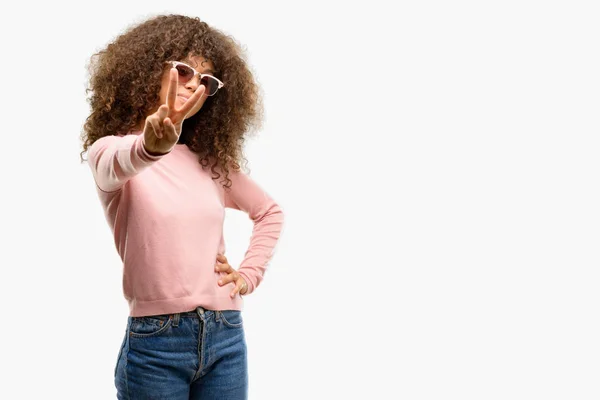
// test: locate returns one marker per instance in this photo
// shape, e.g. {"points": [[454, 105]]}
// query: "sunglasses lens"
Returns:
{"points": [[185, 73], [212, 85]]}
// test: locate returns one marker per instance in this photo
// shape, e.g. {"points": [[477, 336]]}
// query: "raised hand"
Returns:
{"points": [[162, 129]]}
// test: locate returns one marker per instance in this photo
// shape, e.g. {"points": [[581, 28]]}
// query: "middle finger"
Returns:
{"points": [[197, 98], [229, 278]]}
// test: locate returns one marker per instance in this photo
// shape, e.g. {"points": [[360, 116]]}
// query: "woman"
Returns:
{"points": [[172, 102]]}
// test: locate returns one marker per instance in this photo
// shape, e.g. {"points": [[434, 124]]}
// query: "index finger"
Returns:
{"points": [[172, 90]]}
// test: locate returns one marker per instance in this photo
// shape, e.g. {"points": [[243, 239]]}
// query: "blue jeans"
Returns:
{"points": [[198, 354]]}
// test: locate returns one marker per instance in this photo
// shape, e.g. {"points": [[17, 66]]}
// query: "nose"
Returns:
{"points": [[193, 83]]}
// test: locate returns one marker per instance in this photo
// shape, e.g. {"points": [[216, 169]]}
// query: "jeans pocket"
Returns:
{"points": [[231, 318], [143, 327]]}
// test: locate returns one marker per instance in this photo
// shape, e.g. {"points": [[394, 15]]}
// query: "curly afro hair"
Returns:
{"points": [[125, 81]]}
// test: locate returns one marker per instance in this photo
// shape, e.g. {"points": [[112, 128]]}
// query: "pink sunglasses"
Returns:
{"points": [[186, 73]]}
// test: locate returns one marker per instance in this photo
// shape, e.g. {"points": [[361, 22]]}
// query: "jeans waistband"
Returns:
{"points": [[199, 312]]}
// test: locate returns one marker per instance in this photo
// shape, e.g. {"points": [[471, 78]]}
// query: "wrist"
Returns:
{"points": [[154, 154]]}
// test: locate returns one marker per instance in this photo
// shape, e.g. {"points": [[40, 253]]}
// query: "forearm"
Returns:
{"points": [[114, 160], [265, 235]]}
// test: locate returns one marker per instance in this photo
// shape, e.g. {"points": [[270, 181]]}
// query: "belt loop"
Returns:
{"points": [[176, 319]]}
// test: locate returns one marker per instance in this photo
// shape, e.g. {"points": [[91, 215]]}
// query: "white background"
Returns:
{"points": [[438, 166]]}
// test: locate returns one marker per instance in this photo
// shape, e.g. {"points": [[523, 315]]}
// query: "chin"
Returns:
{"points": [[193, 113]]}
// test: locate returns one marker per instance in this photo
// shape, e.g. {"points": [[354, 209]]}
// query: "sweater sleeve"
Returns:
{"points": [[246, 195], [116, 159]]}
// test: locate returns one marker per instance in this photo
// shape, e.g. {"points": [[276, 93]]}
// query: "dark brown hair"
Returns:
{"points": [[125, 81]]}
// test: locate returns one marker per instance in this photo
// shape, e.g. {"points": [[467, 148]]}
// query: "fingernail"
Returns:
{"points": [[220, 282]]}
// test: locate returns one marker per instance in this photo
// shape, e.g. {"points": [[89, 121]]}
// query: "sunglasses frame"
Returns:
{"points": [[175, 63]]}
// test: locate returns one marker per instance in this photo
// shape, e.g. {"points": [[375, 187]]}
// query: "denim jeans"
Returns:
{"points": [[198, 354]]}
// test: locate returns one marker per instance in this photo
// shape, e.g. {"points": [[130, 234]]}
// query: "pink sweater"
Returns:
{"points": [[167, 213]]}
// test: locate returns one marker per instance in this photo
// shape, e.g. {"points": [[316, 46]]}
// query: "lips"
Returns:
{"points": [[183, 97]]}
